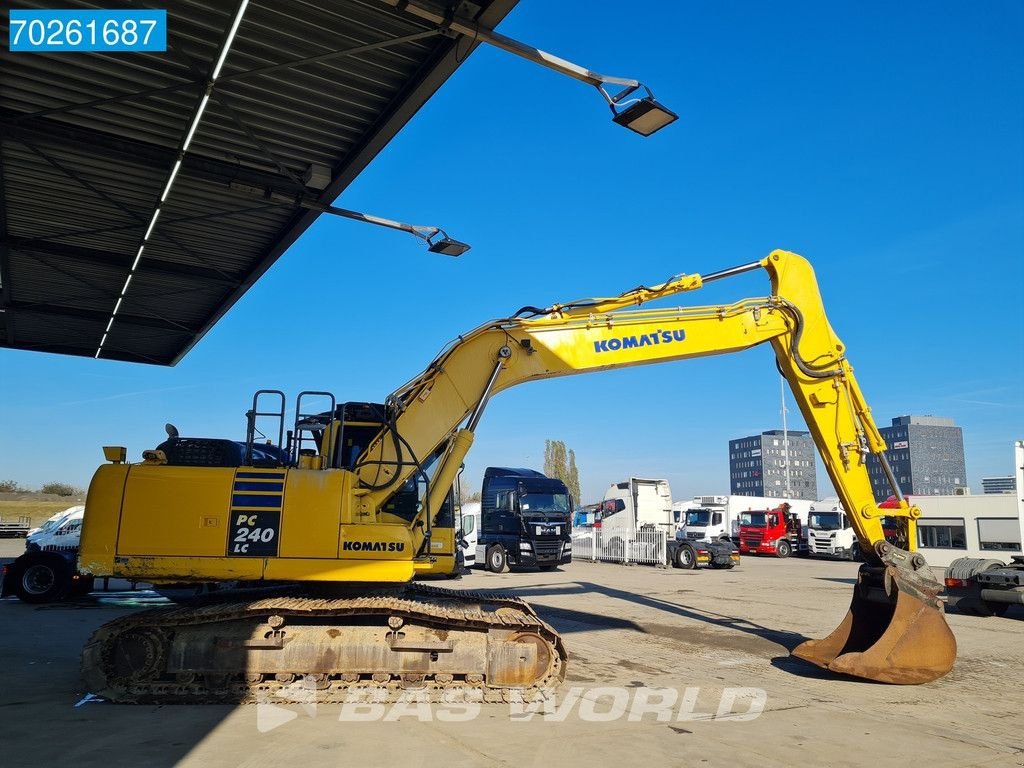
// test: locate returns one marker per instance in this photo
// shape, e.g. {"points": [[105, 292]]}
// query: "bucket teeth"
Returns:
{"points": [[894, 632]]}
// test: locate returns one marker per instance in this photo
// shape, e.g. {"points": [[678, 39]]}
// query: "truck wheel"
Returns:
{"points": [[998, 609], [43, 580], [685, 558], [783, 549], [496, 559]]}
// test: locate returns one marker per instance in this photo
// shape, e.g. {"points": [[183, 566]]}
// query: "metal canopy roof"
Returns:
{"points": [[89, 144]]}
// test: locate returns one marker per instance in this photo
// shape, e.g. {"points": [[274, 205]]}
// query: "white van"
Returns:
{"points": [[470, 527]]}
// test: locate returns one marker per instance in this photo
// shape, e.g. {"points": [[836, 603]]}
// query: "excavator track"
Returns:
{"points": [[445, 645]]}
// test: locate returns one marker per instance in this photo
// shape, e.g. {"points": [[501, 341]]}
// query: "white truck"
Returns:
{"points": [[717, 518], [470, 532], [635, 508], [829, 533], [47, 570], [638, 503]]}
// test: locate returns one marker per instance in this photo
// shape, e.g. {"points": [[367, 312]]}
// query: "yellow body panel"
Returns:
{"points": [[367, 570], [98, 544], [169, 523], [312, 513], [442, 551], [180, 511]]}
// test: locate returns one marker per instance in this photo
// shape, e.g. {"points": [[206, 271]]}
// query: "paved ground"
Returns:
{"points": [[628, 629]]}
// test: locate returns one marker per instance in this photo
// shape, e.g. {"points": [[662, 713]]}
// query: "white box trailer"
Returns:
{"points": [[713, 518]]}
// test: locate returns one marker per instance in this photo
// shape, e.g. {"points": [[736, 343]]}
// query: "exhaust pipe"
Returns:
{"points": [[895, 630]]}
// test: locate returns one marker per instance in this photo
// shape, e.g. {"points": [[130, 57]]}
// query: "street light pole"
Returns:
{"points": [[785, 436]]}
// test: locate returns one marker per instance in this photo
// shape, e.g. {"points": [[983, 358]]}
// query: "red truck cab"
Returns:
{"points": [[770, 532]]}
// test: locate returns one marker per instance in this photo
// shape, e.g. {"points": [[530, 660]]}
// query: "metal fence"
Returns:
{"points": [[647, 546]]}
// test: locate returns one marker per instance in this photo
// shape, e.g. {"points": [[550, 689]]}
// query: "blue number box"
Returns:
{"points": [[77, 31]]}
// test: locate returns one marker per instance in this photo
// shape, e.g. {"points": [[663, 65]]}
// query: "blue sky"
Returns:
{"points": [[884, 141]]}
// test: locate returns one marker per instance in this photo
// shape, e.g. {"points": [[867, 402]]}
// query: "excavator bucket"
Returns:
{"points": [[894, 632]]}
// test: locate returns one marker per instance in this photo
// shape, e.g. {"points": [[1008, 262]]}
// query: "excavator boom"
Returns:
{"points": [[338, 518]]}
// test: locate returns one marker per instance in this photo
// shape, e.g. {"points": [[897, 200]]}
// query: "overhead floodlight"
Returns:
{"points": [[445, 245], [644, 116]]}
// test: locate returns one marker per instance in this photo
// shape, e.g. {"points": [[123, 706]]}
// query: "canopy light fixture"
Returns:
{"points": [[645, 116], [445, 245]]}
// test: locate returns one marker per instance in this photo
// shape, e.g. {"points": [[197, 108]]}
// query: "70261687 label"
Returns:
{"points": [[106, 31]]}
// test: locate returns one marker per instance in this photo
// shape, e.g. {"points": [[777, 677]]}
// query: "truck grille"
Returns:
{"points": [[752, 539], [547, 548], [693, 535], [822, 545]]}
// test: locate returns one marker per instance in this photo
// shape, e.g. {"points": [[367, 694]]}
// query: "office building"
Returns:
{"points": [[758, 465], [926, 454]]}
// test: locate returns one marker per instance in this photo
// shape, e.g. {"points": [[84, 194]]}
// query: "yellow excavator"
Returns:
{"points": [[323, 532]]}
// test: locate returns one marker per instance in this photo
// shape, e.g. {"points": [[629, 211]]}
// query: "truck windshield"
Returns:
{"points": [[755, 519], [825, 521], [698, 517], [539, 501]]}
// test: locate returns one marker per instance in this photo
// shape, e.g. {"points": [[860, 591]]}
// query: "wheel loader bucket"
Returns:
{"points": [[894, 632]]}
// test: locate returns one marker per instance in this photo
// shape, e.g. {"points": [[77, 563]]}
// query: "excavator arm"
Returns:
{"points": [[894, 631]]}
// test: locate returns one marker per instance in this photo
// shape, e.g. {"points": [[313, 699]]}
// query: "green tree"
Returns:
{"points": [[573, 481], [561, 464], [61, 489]]}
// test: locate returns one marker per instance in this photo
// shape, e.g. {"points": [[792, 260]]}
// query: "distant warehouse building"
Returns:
{"points": [[926, 454], [757, 465], [998, 484], [968, 526], [988, 526]]}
